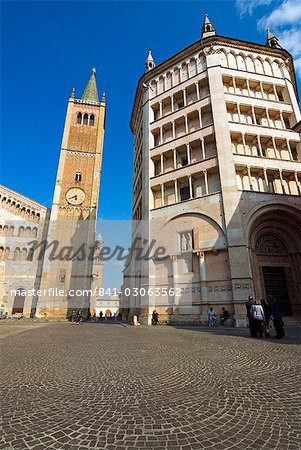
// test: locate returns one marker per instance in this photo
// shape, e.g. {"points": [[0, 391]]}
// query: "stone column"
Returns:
{"points": [[190, 186], [203, 148], [172, 104], [206, 181], [244, 143], [173, 129], [289, 149], [188, 153], [281, 181], [259, 145], [162, 163], [297, 182], [162, 194], [176, 190], [200, 117], [184, 97], [161, 109], [249, 176], [197, 87], [186, 124], [282, 121], [161, 135], [248, 87], [175, 158], [266, 179]]}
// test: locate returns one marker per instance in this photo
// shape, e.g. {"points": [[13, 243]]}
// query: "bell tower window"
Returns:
{"points": [[79, 118], [78, 177], [86, 117], [91, 122]]}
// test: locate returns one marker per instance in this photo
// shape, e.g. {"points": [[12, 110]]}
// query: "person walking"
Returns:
{"points": [[249, 304], [80, 316], [155, 317], [257, 314], [267, 316], [211, 317], [276, 315], [224, 316]]}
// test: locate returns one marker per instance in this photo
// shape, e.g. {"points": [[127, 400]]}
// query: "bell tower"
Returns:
{"points": [[75, 202]]}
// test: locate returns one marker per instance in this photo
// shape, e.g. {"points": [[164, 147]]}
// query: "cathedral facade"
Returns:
{"points": [[49, 261], [217, 170]]}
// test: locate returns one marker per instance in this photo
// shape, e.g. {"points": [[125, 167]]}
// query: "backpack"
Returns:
{"points": [[256, 312]]}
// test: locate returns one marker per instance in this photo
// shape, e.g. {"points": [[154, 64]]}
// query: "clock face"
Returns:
{"points": [[75, 196]]}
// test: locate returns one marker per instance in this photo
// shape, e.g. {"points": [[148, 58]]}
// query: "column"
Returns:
{"points": [[259, 146], [186, 124], [172, 78], [161, 135], [244, 143], [180, 74], [190, 186], [234, 85], [250, 179], [239, 115], [275, 92], [188, 153], [281, 181], [282, 121], [162, 163], [172, 104], [253, 115], [261, 89], [203, 148], [202, 269], [197, 90], [289, 149], [248, 87], [266, 179], [298, 182], [184, 97], [268, 118], [162, 194], [176, 191], [277, 155], [200, 117], [175, 158], [161, 109], [206, 182], [173, 129]]}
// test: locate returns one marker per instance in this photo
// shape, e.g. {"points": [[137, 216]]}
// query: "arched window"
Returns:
{"points": [[30, 254], [79, 118], [86, 117], [16, 254], [91, 122], [6, 253], [21, 231], [1, 253], [78, 177], [28, 232], [34, 232]]}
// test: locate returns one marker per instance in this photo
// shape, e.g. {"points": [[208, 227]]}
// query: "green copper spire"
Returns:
{"points": [[90, 93]]}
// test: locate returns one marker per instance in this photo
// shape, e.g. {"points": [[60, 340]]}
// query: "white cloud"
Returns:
{"points": [[248, 6], [288, 13]]}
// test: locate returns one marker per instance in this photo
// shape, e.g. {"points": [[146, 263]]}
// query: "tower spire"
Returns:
{"points": [[272, 40], [150, 63], [207, 28], [90, 93]]}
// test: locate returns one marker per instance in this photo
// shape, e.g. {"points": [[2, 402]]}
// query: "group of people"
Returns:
{"points": [[77, 317], [260, 313], [212, 317]]}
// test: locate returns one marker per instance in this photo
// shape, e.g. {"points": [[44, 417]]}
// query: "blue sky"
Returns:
{"points": [[50, 47]]}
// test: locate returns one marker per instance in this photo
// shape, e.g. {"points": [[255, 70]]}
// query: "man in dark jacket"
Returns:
{"points": [[277, 318]]}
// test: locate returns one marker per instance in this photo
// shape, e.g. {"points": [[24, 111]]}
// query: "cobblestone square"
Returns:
{"points": [[99, 386]]}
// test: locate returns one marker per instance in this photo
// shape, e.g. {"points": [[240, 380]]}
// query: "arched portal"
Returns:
{"points": [[276, 256], [19, 301]]}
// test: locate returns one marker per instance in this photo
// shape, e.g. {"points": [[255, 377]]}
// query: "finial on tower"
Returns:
{"points": [[93, 70], [72, 93], [103, 98], [272, 40], [150, 63], [207, 28]]}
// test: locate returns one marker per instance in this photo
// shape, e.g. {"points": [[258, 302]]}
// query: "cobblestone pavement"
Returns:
{"points": [[113, 387]]}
